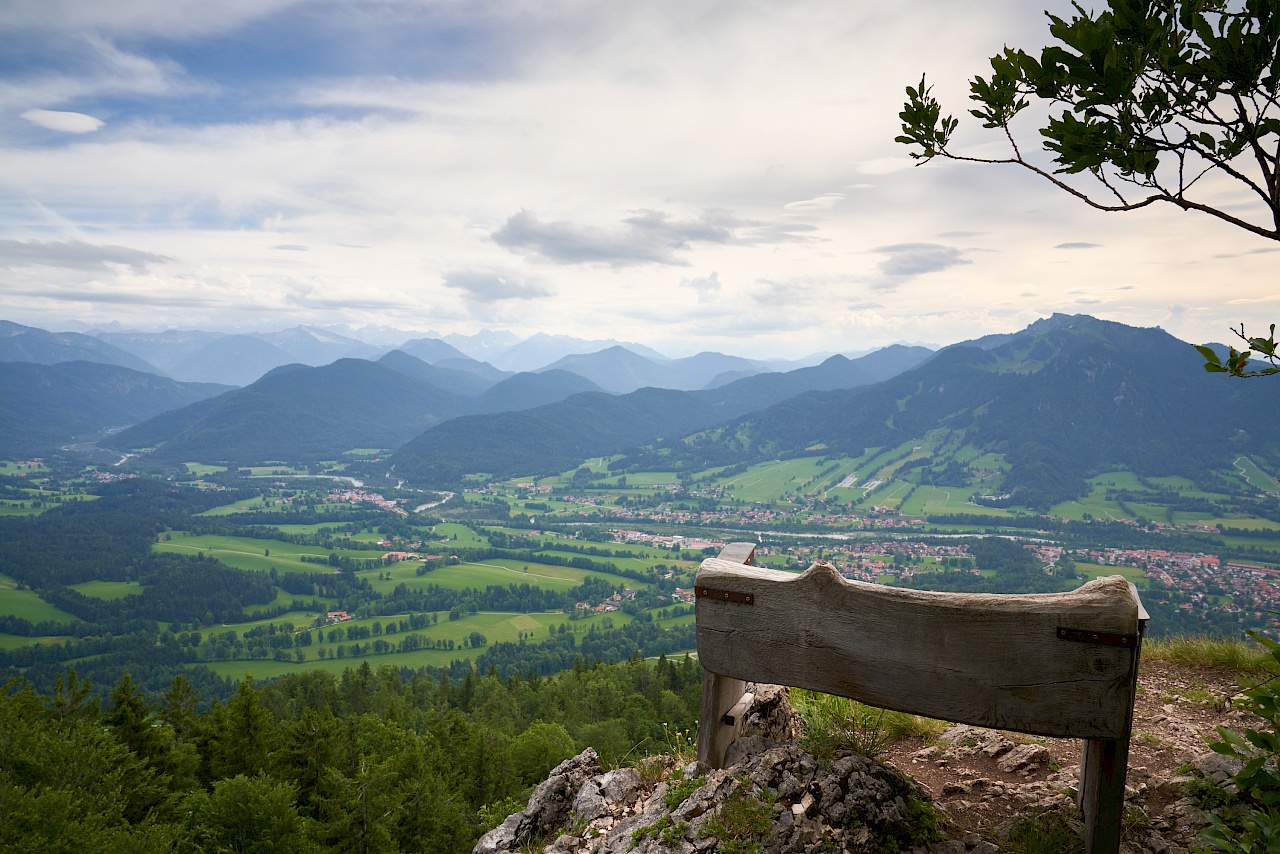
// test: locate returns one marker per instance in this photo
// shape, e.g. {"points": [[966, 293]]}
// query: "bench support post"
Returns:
{"points": [[719, 695], [1104, 764], [722, 693], [1102, 774]]}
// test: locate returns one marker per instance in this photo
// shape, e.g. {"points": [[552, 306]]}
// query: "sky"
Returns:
{"points": [[692, 175]]}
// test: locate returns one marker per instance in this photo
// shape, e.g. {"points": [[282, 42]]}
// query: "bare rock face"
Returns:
{"points": [[548, 807], [774, 795]]}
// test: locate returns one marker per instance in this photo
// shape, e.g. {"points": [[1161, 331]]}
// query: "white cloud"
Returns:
{"points": [[706, 287], [825, 202], [557, 191], [489, 286], [66, 122]]}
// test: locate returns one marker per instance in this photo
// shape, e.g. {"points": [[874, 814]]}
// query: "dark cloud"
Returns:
{"points": [[115, 297], [488, 286], [645, 237], [907, 260], [1078, 246], [74, 255]]}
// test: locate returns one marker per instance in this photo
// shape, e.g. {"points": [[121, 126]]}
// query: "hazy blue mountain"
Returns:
{"points": [[728, 377], [590, 422], [231, 359], [298, 412], [311, 345], [20, 343], [464, 383], [431, 350], [49, 405], [483, 345], [541, 350], [162, 349], [528, 389], [620, 370], [471, 366], [838, 372]]}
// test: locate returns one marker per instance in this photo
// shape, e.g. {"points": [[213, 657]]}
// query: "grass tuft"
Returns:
{"points": [[834, 725], [1201, 651]]}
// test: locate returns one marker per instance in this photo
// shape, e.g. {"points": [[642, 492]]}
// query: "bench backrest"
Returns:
{"points": [[1060, 664]]}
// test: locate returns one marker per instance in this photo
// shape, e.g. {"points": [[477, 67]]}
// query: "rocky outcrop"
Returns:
{"points": [[773, 794], [776, 797]]}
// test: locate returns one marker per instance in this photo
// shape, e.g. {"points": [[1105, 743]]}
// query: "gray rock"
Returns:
{"points": [[1024, 756], [548, 808], [1217, 767]]}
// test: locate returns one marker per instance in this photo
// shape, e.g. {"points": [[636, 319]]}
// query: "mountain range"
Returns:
{"points": [[1066, 397]]}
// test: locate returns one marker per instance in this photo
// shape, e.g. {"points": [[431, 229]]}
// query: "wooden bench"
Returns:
{"points": [[1063, 665]]}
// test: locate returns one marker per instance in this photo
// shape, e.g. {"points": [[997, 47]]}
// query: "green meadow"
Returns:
{"points": [[251, 553], [27, 605], [109, 590], [939, 500], [1256, 477], [766, 482], [498, 571], [1131, 573], [497, 627]]}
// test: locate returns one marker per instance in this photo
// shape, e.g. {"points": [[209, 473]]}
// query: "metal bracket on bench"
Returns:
{"points": [[1103, 638], [723, 595]]}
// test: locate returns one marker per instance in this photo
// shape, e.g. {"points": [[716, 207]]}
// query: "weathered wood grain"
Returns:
{"points": [[987, 660]]}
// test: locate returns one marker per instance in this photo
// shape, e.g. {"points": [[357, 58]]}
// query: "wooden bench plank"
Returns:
{"points": [[988, 660]]}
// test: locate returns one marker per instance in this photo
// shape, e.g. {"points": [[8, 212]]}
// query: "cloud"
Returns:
{"points": [[63, 121], [115, 297], [908, 260], [826, 201], [487, 286], [645, 237], [290, 247], [706, 287], [1262, 251], [1078, 246], [74, 255]]}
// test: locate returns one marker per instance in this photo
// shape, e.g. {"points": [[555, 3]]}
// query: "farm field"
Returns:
{"points": [[499, 571], [109, 590], [1256, 477], [248, 552], [27, 605], [497, 627], [8, 642], [937, 500], [770, 481], [1131, 573]]}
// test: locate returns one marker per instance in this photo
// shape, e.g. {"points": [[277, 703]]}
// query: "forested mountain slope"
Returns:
{"points": [[550, 438], [1085, 397], [48, 405], [298, 413]]}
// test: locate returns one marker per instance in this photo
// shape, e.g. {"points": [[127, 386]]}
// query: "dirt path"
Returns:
{"points": [[975, 785]]}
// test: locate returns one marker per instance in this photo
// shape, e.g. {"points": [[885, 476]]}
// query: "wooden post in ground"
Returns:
{"points": [[720, 694], [1104, 763]]}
